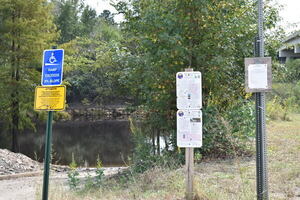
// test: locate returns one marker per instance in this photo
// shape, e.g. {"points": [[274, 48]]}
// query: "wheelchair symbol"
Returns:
{"points": [[52, 58]]}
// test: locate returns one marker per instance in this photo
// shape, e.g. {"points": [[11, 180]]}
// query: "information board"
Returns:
{"points": [[189, 128], [258, 74], [189, 90], [52, 70], [50, 98]]}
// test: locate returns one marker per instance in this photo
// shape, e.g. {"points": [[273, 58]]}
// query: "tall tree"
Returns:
{"points": [[26, 29], [107, 16], [164, 37], [88, 20], [67, 18]]}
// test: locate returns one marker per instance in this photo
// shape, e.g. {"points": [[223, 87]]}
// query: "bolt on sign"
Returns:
{"points": [[50, 98]]}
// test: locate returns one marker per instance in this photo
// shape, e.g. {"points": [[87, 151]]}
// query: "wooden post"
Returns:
{"points": [[189, 164]]}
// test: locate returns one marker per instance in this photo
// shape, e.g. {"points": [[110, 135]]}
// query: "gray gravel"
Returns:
{"points": [[13, 163]]}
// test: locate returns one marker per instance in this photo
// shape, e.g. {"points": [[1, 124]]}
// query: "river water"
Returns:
{"points": [[86, 140]]}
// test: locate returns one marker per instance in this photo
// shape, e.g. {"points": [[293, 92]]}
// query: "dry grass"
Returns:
{"points": [[225, 180]]}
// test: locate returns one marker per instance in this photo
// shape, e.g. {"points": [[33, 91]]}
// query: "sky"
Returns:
{"points": [[290, 11], [101, 5]]}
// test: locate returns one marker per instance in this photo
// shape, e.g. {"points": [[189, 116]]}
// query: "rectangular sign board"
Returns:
{"points": [[52, 70], [258, 74], [50, 98], [189, 90], [189, 128]]}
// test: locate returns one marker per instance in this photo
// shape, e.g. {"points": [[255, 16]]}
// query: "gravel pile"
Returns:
{"points": [[13, 163]]}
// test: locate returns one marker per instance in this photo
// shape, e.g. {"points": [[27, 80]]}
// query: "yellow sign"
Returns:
{"points": [[51, 98]]}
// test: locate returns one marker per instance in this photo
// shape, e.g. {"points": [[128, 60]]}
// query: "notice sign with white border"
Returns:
{"points": [[258, 74], [189, 128], [189, 90]]}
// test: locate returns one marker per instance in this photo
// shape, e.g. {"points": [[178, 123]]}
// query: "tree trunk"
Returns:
{"points": [[15, 77], [153, 141], [166, 142], [158, 142]]}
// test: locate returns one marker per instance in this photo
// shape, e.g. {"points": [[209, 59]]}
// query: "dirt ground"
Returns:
{"points": [[23, 188], [28, 188]]}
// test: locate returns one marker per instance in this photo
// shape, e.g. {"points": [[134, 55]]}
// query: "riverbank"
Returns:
{"points": [[214, 180]]}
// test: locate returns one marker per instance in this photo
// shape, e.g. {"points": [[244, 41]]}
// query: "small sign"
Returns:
{"points": [[189, 128], [189, 90], [50, 98], [258, 74], [52, 71]]}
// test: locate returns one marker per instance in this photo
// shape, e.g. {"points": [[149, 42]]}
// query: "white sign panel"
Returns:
{"points": [[258, 76], [189, 90], [189, 128]]}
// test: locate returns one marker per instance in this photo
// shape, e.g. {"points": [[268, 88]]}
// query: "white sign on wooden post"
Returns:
{"points": [[189, 128], [189, 90], [189, 103], [189, 120]]}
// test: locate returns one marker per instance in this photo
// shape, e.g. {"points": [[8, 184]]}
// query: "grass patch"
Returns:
{"points": [[218, 179]]}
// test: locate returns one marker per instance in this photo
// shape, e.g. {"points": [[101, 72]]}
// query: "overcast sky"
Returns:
{"points": [[290, 12]]}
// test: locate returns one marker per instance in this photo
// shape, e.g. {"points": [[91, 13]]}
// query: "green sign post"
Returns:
{"points": [[50, 98], [48, 142]]}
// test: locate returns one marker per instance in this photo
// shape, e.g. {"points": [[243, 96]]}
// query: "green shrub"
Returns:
{"points": [[73, 174], [228, 133], [143, 157], [292, 73], [99, 173]]}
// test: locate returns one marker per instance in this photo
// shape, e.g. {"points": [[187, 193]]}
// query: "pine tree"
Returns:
{"points": [[26, 28]]}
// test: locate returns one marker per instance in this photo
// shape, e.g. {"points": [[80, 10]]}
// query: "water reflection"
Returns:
{"points": [[108, 139]]}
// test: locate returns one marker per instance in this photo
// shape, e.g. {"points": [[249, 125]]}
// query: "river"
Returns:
{"points": [[86, 140]]}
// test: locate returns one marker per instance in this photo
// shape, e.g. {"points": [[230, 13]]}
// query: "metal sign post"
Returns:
{"points": [[51, 97], [258, 79], [261, 147], [47, 159]]}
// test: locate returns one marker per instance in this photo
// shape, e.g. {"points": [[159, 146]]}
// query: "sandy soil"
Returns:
{"points": [[27, 188]]}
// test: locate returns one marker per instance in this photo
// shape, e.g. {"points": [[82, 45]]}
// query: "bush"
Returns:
{"points": [[143, 157], [277, 111], [228, 133], [292, 73], [73, 174]]}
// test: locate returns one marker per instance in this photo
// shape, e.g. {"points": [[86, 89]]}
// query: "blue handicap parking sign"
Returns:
{"points": [[52, 72]]}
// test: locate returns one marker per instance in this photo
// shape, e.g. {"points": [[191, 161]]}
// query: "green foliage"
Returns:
{"points": [[88, 20], [214, 37], [227, 133], [292, 71], [99, 173], [27, 28], [92, 66], [277, 111], [284, 100], [73, 174], [67, 18], [143, 157], [107, 16]]}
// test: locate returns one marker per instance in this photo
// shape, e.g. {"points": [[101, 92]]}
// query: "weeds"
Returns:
{"points": [[73, 174]]}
